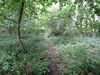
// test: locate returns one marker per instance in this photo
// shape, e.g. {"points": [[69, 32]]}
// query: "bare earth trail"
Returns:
{"points": [[53, 60]]}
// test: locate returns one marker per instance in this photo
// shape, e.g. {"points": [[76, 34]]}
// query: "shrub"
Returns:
{"points": [[79, 56], [59, 40], [14, 62]]}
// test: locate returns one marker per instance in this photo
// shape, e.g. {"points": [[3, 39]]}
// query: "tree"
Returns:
{"points": [[19, 22], [94, 9], [16, 7]]}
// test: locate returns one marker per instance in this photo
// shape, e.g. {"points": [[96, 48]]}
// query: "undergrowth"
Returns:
{"points": [[14, 62], [59, 40], [78, 55]]}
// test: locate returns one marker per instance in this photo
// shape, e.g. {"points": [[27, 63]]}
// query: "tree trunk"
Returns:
{"points": [[98, 33], [18, 29], [87, 23], [94, 29], [94, 34]]}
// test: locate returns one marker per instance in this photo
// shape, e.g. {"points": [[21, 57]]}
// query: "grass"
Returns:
{"points": [[14, 62], [78, 55]]}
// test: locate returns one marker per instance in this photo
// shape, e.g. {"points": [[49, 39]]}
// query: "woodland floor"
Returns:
{"points": [[53, 60]]}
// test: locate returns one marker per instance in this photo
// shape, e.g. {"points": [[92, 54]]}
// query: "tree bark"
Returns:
{"points": [[98, 33], [94, 32], [86, 26], [18, 29]]}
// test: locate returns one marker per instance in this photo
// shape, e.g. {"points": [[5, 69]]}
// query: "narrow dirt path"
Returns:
{"points": [[53, 60]]}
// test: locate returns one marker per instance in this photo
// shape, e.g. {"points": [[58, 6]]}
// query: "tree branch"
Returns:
{"points": [[73, 19]]}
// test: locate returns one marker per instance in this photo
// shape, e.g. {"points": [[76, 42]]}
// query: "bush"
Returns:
{"points": [[59, 40], [14, 62], [79, 56]]}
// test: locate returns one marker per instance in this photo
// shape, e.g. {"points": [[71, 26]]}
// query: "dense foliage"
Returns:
{"points": [[79, 56], [13, 62], [73, 26]]}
